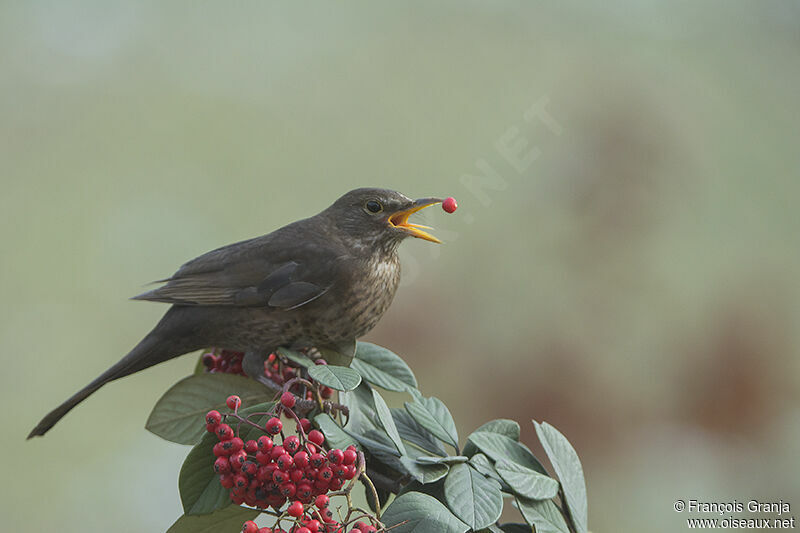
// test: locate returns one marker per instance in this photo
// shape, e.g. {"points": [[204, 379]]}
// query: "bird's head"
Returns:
{"points": [[376, 217]]}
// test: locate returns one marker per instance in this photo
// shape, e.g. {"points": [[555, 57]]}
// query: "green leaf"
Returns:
{"points": [[199, 486], [296, 357], [229, 519], [423, 473], [499, 446], [383, 368], [179, 416], [361, 407], [336, 377], [378, 443], [503, 426], [543, 514], [411, 431], [475, 500], [447, 460], [434, 416], [482, 464], [386, 420], [526, 482], [342, 356], [335, 436], [569, 471], [415, 512]]}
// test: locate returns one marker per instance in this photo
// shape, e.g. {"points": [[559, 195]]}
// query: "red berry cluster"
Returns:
{"points": [[280, 372], [224, 362], [263, 473], [230, 362]]}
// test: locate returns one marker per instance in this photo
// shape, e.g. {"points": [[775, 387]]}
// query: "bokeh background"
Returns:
{"points": [[626, 268]]}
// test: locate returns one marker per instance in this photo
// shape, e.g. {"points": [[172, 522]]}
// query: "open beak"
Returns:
{"points": [[400, 219]]}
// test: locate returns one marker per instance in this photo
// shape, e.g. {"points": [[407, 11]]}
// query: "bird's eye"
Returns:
{"points": [[374, 207]]}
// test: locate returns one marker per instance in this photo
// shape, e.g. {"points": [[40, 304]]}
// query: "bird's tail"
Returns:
{"points": [[150, 351]]}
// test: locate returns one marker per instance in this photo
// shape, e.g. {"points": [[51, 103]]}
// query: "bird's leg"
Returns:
{"points": [[253, 366]]}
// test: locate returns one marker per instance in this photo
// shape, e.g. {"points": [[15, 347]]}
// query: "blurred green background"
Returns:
{"points": [[633, 281]]}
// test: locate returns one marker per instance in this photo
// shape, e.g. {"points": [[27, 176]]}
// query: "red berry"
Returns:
{"points": [[288, 400], [264, 443], [335, 457], [317, 460], [250, 527], [449, 204], [303, 530], [251, 447], [224, 432], [295, 509], [301, 459], [316, 437], [304, 491], [288, 489], [296, 475], [313, 525], [250, 468], [213, 417], [265, 530], [285, 462], [349, 456], [276, 452], [305, 423], [219, 449], [237, 460], [274, 425], [222, 465], [322, 501], [292, 443], [326, 392], [325, 473], [233, 402], [209, 360], [263, 458]]}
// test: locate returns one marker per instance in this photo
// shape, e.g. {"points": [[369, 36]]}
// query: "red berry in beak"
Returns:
{"points": [[449, 204]]}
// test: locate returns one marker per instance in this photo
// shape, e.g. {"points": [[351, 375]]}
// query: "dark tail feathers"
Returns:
{"points": [[150, 351]]}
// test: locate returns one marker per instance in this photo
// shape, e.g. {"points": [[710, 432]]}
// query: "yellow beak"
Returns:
{"points": [[400, 219]]}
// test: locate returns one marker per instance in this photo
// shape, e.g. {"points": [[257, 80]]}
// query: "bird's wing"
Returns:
{"points": [[252, 273]]}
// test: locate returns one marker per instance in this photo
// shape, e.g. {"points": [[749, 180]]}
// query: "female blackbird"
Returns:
{"points": [[323, 281]]}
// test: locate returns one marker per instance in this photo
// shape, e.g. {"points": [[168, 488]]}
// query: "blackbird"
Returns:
{"points": [[319, 282]]}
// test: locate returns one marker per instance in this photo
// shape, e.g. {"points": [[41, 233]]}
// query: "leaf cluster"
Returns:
{"points": [[424, 481]]}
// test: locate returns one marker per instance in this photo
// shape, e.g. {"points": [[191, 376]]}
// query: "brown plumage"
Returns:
{"points": [[323, 281]]}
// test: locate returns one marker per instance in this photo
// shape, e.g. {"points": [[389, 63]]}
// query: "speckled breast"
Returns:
{"points": [[359, 310]]}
